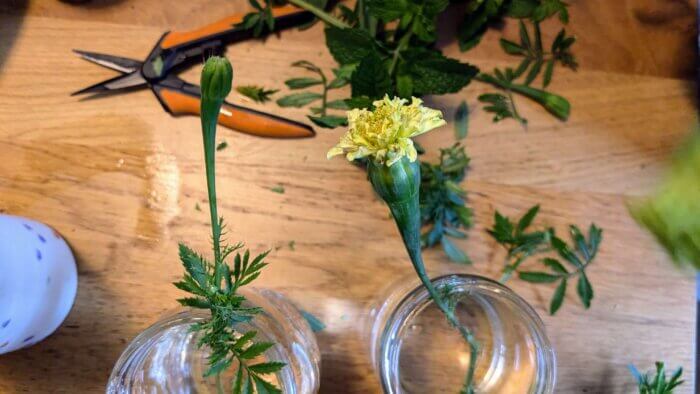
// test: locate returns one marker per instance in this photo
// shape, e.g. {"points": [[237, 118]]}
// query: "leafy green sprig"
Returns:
{"points": [[320, 115], [657, 383], [387, 47], [442, 202], [256, 93], [215, 285], [535, 57], [522, 244]]}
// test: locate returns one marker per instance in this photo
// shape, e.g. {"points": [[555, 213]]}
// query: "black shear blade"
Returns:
{"points": [[119, 83], [121, 64]]}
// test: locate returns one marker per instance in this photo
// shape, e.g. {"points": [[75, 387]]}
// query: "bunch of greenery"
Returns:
{"points": [[388, 47], [657, 383], [521, 244], [215, 285], [442, 202]]}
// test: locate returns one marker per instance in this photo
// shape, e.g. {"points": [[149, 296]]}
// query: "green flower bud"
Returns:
{"points": [[557, 105], [217, 76], [396, 183]]}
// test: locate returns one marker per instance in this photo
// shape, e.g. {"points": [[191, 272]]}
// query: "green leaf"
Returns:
{"points": [[218, 367], [461, 121], [315, 323], [558, 297], [548, 73], [264, 387], [555, 265], [453, 252], [256, 93], [243, 340], [522, 8], [329, 121], [194, 265], [338, 83], [238, 381], [538, 277], [194, 302], [300, 83], [433, 73], [349, 46], [255, 350], [404, 85], [337, 104], [279, 189], [359, 102], [298, 99], [387, 10], [371, 78], [522, 67], [527, 219], [534, 71], [248, 386], [595, 236], [563, 250], [512, 48], [524, 35], [584, 289], [307, 65], [222, 145], [267, 368]]}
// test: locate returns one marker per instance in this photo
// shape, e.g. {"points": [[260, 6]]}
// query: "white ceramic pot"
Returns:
{"points": [[38, 282]]}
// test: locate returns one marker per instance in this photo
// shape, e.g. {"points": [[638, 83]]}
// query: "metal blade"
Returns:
{"points": [[121, 82], [121, 64]]}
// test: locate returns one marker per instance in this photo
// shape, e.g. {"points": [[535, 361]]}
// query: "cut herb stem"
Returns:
{"points": [[320, 14]]}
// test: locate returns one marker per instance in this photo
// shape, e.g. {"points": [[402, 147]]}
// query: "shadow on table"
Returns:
{"points": [[11, 17], [92, 3], [79, 354]]}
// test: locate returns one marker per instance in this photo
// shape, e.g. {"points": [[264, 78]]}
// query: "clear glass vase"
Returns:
{"points": [[165, 357], [415, 350]]}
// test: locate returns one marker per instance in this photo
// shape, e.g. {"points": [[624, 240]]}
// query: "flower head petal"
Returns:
{"points": [[384, 134]]}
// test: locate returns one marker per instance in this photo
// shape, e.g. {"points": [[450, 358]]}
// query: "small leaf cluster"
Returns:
{"points": [[320, 115], [535, 57], [481, 14], [521, 244], [443, 202], [657, 383], [256, 93], [214, 286]]}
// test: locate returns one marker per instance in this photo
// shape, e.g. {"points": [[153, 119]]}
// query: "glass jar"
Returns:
{"points": [[415, 350], [165, 357]]}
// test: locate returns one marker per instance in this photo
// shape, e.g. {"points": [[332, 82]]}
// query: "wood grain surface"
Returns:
{"points": [[120, 179]]}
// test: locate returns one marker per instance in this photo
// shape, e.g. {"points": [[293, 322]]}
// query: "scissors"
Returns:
{"points": [[178, 50]]}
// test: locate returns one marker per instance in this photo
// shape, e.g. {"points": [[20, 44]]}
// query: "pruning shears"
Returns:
{"points": [[178, 50]]}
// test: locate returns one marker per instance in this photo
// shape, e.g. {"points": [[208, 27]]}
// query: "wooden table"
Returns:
{"points": [[120, 179]]}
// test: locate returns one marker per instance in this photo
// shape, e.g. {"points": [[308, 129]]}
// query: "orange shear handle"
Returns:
{"points": [[177, 38], [245, 120]]}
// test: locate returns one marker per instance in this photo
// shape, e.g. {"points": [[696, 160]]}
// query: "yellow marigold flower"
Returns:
{"points": [[385, 133]]}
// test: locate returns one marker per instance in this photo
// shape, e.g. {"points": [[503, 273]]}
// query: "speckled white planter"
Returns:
{"points": [[38, 282]]}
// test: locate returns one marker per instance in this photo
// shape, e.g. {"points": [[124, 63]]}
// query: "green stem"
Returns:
{"points": [[403, 43], [555, 104], [320, 14], [408, 223], [209, 114], [509, 269], [324, 99], [398, 185]]}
